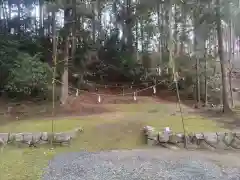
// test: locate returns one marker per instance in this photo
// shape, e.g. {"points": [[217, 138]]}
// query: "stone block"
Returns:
{"points": [[176, 138], [42, 142], [12, 137], [206, 145], [27, 137], [228, 138], [170, 146], [222, 143], [36, 137], [163, 137], [19, 137], [44, 136], [152, 141], [61, 137], [2, 143], [4, 137], [32, 139], [199, 136], [148, 130], [211, 138], [235, 143], [152, 135], [237, 134]]}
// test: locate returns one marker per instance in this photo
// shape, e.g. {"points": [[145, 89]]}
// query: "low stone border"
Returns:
{"points": [[205, 140], [38, 138]]}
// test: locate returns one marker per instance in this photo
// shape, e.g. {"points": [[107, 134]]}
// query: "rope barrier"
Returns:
{"points": [[113, 95], [107, 85]]}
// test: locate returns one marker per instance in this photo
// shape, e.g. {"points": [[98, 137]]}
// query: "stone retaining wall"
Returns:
{"points": [[38, 138], [205, 140]]}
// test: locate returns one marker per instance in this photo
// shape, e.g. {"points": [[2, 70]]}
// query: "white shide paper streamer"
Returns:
{"points": [[134, 96], [99, 98], [154, 90], [77, 93]]}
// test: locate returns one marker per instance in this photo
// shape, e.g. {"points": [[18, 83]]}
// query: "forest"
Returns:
{"points": [[48, 45], [80, 78]]}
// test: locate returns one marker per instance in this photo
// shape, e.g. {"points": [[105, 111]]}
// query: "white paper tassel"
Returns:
{"points": [[77, 93], [154, 90], [99, 98], [167, 129], [131, 87], [159, 71], [105, 86], [134, 96]]}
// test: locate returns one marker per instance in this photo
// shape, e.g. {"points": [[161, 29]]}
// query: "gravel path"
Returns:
{"points": [[149, 164]]}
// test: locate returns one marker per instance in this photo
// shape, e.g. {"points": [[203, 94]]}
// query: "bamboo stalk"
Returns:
{"points": [[54, 57], [172, 64]]}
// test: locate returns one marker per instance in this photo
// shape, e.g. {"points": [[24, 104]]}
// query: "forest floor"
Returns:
{"points": [[114, 123]]}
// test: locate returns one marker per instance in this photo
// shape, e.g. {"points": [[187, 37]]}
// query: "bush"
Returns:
{"points": [[28, 76]]}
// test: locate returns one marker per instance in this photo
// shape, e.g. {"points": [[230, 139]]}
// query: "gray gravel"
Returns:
{"points": [[159, 164]]}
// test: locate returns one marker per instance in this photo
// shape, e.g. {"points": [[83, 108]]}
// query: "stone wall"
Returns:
{"points": [[38, 138], [205, 140]]}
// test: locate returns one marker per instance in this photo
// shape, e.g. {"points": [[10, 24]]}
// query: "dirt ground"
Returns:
{"points": [[87, 104]]}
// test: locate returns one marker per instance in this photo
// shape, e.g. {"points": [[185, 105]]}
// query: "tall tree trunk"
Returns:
{"points": [[49, 24], [5, 17], [183, 29], [99, 20], [136, 39], [167, 21], [159, 31], [41, 27], [115, 13], [129, 25], [226, 107], [93, 22], [171, 43], [73, 47], [197, 85], [205, 75], [175, 31], [19, 17], [142, 34], [9, 15], [162, 31], [64, 94], [54, 56], [230, 61]]}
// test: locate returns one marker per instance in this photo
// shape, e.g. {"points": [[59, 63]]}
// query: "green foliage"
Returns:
{"points": [[21, 72], [115, 53], [28, 75]]}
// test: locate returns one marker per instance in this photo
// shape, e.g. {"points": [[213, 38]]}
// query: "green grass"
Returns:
{"points": [[191, 123], [120, 130]]}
